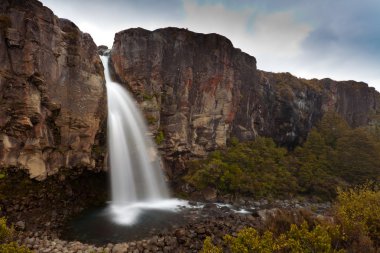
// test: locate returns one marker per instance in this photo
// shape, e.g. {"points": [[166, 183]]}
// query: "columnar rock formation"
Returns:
{"points": [[198, 91], [53, 98]]}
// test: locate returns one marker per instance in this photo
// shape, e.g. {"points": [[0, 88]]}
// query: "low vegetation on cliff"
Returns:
{"points": [[354, 228], [333, 155]]}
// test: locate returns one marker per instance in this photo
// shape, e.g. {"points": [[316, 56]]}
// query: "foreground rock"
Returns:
{"points": [[198, 91], [41, 212], [45, 207], [53, 98], [199, 223]]}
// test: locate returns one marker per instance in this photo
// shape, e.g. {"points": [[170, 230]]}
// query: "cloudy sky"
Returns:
{"points": [[339, 39]]}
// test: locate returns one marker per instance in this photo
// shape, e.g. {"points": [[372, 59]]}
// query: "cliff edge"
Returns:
{"points": [[198, 91], [52, 89]]}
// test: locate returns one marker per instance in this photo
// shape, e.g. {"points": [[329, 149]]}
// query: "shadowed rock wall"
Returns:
{"points": [[198, 91], [52, 89]]}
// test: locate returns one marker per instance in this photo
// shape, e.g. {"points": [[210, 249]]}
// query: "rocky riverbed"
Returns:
{"points": [[41, 212], [199, 222]]}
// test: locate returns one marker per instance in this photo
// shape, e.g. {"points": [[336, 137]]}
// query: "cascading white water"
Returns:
{"points": [[136, 177]]}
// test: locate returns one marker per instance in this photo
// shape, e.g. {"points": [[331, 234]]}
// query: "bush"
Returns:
{"points": [[333, 155], [13, 247], [315, 173], [279, 221], [6, 233], [358, 212], [321, 238], [302, 239], [249, 240], [356, 228], [6, 237], [209, 247], [151, 120], [258, 168], [357, 157], [160, 137]]}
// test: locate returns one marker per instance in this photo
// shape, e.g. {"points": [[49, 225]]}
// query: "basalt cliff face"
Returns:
{"points": [[197, 91], [52, 89]]}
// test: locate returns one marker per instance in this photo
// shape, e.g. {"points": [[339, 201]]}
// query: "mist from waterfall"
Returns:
{"points": [[137, 180]]}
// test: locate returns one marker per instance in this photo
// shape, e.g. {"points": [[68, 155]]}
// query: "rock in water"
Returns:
{"points": [[53, 97], [209, 194], [103, 50], [198, 91]]}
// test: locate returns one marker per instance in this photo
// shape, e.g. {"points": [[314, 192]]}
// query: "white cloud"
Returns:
{"points": [[279, 41], [274, 38], [216, 19], [102, 19], [278, 34], [375, 83]]}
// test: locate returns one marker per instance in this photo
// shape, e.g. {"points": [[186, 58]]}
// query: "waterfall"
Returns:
{"points": [[136, 177]]}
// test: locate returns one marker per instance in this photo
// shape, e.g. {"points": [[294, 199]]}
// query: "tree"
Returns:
{"points": [[314, 174], [357, 157], [332, 126]]}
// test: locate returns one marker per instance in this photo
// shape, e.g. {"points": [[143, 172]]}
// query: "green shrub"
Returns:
{"points": [[146, 96], [333, 155], [6, 237], [332, 127], [358, 211], [257, 168], [314, 174], [217, 174], [336, 155], [357, 157], [209, 247], [300, 239], [151, 120], [6, 233], [249, 240], [13, 247], [280, 221], [356, 229], [160, 137]]}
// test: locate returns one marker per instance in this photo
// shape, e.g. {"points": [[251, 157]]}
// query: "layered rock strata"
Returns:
{"points": [[198, 91], [52, 89]]}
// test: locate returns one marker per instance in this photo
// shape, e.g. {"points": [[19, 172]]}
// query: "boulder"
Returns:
{"points": [[209, 194]]}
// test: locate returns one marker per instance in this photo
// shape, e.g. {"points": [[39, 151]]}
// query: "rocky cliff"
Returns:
{"points": [[197, 91], [52, 89]]}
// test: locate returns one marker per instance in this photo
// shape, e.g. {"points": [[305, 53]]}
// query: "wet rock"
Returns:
{"points": [[187, 237], [120, 248], [210, 206], [20, 225], [209, 194], [225, 209], [161, 242], [103, 50]]}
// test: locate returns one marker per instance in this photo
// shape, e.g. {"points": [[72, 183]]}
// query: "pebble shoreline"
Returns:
{"points": [[210, 220]]}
